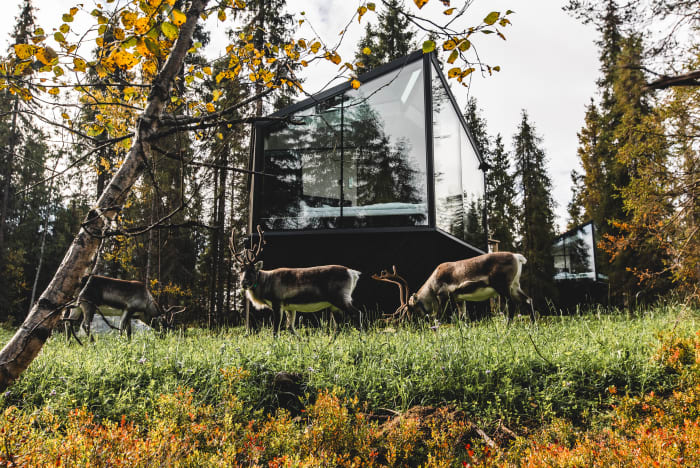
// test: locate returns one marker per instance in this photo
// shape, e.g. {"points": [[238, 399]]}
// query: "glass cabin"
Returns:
{"points": [[386, 174], [577, 262]]}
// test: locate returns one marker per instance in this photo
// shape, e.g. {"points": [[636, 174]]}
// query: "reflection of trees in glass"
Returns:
{"points": [[579, 255], [453, 214], [306, 163], [474, 232], [384, 170]]}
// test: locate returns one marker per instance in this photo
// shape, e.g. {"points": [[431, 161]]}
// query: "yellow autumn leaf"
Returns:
{"points": [[141, 48], [65, 116], [315, 46], [24, 51], [128, 18], [367, 51], [355, 84], [54, 91], [119, 34], [360, 12], [179, 17], [123, 59], [420, 3], [141, 25], [210, 107], [452, 72], [46, 55], [149, 68], [207, 70], [78, 64]]}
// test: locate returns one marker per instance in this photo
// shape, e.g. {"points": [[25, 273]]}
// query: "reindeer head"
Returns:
{"points": [[246, 260]]}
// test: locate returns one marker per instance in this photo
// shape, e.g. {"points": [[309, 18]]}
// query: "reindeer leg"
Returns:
{"points": [[462, 307], [276, 318], [291, 318], [88, 313], [347, 308], [521, 297], [125, 323]]}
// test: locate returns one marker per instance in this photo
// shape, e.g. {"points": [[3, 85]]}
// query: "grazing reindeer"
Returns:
{"points": [[292, 290], [474, 279], [131, 297]]}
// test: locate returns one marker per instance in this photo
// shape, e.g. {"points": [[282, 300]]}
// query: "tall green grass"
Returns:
{"points": [[522, 373]]}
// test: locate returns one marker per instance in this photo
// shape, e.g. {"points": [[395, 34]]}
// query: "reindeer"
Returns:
{"points": [[474, 279], [292, 290], [131, 297]]}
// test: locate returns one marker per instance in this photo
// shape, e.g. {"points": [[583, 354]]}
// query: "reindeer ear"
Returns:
{"points": [[258, 265]]}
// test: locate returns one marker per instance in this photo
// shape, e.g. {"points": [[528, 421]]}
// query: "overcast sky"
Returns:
{"points": [[548, 66]]}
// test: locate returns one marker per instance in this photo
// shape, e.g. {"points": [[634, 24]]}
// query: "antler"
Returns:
{"points": [[247, 256], [253, 256], [395, 278], [239, 257]]}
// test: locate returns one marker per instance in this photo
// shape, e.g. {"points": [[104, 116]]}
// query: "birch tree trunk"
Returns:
{"points": [[21, 350]]}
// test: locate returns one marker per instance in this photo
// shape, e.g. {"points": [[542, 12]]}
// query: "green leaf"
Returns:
{"points": [[453, 56], [130, 42], [492, 18], [169, 30], [428, 46], [67, 18], [152, 46]]}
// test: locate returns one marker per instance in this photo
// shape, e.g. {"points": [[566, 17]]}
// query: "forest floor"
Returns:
{"points": [[599, 388]]}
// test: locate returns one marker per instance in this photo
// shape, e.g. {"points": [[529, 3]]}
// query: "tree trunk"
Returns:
{"points": [[221, 249], [21, 350], [214, 243]]}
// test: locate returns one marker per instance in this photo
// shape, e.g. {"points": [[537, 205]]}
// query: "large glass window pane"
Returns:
{"points": [[447, 157], [473, 191], [302, 188], [384, 178], [574, 254]]}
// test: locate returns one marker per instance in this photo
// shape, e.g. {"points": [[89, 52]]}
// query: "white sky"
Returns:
{"points": [[548, 66]]}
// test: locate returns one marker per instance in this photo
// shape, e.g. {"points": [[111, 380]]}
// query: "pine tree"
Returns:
{"points": [[477, 127], [536, 216], [636, 147], [390, 39], [500, 197], [24, 202]]}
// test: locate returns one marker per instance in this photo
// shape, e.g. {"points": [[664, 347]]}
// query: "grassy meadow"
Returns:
{"points": [[525, 377]]}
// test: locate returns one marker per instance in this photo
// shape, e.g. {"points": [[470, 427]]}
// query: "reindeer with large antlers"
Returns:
{"points": [[292, 290], [474, 279]]}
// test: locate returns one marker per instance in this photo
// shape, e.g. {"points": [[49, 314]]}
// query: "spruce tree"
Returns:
{"points": [[24, 202], [536, 216], [390, 39], [477, 127], [500, 197]]}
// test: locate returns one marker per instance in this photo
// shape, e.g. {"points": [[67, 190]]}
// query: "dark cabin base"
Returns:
{"points": [[415, 253]]}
